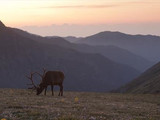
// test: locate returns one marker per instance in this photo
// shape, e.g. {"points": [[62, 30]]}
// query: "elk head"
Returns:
{"points": [[39, 88]]}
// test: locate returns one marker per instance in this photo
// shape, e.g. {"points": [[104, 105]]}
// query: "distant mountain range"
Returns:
{"points": [[22, 52], [148, 82], [72, 39], [146, 46], [114, 53]]}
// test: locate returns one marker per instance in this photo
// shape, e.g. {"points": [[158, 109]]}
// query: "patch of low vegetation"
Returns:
{"points": [[16, 104]]}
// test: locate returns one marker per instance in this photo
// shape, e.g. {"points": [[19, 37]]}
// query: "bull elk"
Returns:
{"points": [[48, 78]]}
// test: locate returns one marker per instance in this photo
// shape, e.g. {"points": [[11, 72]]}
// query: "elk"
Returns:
{"points": [[48, 78]]}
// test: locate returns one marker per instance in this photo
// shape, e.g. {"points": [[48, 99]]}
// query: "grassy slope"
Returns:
{"points": [[148, 82], [22, 104]]}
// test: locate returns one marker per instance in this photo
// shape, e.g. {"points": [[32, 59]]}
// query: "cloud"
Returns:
{"points": [[86, 30], [81, 6], [114, 4], [144, 2]]}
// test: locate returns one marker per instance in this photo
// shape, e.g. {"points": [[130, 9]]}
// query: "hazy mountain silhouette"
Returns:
{"points": [[2, 26], [112, 52], [144, 45], [72, 38], [148, 82], [19, 55]]}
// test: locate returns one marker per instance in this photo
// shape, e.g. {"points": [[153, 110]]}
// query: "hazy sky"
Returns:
{"points": [[82, 17]]}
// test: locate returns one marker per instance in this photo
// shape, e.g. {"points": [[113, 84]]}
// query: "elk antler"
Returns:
{"points": [[44, 72], [32, 83]]}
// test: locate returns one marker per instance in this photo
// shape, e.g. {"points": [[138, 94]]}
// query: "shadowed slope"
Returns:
{"points": [[84, 72], [148, 82], [143, 45], [114, 53]]}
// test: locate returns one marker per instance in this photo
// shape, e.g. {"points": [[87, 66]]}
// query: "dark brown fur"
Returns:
{"points": [[51, 78]]}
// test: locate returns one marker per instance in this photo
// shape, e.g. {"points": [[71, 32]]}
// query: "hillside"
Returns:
{"points": [[146, 46], [24, 105], [72, 39], [84, 71], [114, 53], [148, 82]]}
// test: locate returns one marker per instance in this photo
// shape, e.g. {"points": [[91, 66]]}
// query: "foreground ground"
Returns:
{"points": [[25, 105]]}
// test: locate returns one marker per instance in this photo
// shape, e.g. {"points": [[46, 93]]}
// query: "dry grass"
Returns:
{"points": [[24, 105]]}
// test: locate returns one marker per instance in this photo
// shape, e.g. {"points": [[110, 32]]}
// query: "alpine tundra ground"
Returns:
{"points": [[18, 104]]}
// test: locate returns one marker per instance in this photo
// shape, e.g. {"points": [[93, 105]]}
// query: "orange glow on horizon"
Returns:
{"points": [[44, 12]]}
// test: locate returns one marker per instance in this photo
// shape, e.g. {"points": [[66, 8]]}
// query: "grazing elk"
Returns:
{"points": [[48, 78]]}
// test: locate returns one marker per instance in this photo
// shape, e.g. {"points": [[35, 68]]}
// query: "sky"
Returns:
{"points": [[82, 17]]}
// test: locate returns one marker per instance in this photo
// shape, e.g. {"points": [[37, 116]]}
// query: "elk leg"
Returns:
{"points": [[52, 90], [61, 90], [45, 91]]}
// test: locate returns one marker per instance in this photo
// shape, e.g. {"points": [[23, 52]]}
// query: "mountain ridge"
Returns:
{"points": [[114, 53], [146, 83], [84, 71], [1, 24], [146, 46]]}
